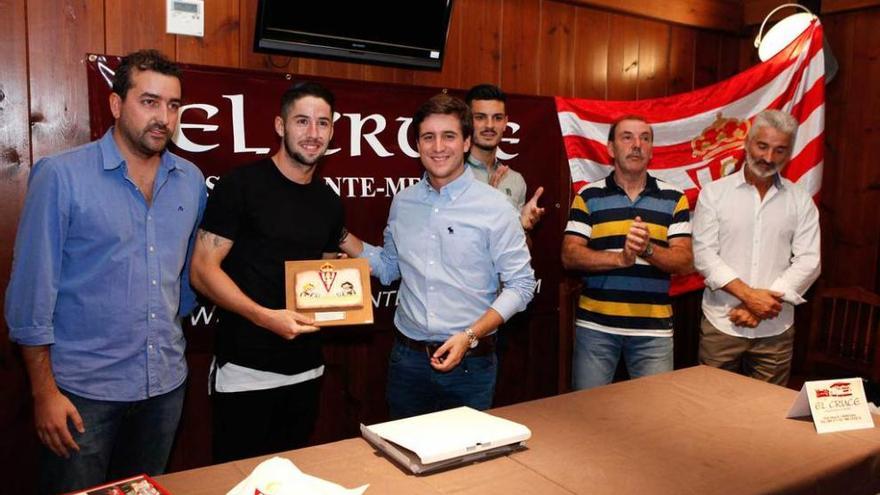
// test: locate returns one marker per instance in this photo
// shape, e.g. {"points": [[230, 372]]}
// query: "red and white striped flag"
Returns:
{"points": [[698, 136]]}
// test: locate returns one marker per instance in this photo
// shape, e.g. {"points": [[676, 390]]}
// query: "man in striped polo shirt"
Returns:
{"points": [[626, 233]]}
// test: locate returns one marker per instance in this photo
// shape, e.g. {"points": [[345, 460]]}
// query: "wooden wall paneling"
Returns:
{"points": [[706, 66], [840, 33], [869, 24], [327, 68], [592, 32], [653, 68], [387, 74], [728, 57], [748, 54], [220, 45], [682, 58], [838, 196], [133, 26], [556, 76], [450, 76], [520, 45], [15, 154], [481, 42], [18, 448], [863, 174], [724, 15], [754, 11], [832, 6], [57, 75], [15, 157], [623, 58]]}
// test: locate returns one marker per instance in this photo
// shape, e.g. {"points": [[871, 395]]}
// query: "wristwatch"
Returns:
{"points": [[649, 251], [473, 341]]}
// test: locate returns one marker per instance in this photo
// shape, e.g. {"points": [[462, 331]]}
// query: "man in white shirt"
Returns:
{"points": [[756, 241]]}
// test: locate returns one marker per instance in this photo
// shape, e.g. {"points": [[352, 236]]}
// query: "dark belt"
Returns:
{"points": [[485, 346]]}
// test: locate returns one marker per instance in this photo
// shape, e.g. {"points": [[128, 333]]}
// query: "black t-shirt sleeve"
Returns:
{"points": [[225, 208]]}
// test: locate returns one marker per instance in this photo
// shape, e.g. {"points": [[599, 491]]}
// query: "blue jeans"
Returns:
{"points": [[596, 355], [414, 387], [122, 439]]}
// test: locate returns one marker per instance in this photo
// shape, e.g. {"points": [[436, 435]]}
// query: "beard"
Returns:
{"points": [[140, 139], [762, 172], [299, 157], [486, 144]]}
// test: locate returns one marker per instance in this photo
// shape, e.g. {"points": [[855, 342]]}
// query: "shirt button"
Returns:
{"points": [[154, 282], [431, 288], [433, 236], [152, 248], [431, 262], [153, 315], [150, 346], [436, 210], [149, 217]]}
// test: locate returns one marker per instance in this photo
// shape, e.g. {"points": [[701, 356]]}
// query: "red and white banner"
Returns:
{"points": [[698, 136]]}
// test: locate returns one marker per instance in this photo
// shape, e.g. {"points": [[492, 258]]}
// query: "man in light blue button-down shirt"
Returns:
{"points": [[99, 281], [459, 249]]}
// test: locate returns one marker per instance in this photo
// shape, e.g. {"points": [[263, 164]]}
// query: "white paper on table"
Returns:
{"points": [[447, 434], [279, 476], [835, 405]]}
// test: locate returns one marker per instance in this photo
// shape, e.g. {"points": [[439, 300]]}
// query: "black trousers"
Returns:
{"points": [[248, 424]]}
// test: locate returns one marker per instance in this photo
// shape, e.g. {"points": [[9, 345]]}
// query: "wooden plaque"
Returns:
{"points": [[350, 313]]}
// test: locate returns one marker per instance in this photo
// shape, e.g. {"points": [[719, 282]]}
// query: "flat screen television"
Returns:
{"points": [[403, 33]]}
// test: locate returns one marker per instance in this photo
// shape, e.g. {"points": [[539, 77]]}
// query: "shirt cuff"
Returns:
{"points": [[789, 295], [373, 254], [32, 335], [507, 304], [719, 277]]}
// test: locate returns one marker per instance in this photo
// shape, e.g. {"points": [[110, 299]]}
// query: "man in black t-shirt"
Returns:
{"points": [[265, 377]]}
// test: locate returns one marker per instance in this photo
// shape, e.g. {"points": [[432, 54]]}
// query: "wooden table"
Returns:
{"points": [[693, 431]]}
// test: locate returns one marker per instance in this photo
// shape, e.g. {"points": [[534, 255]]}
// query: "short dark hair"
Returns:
{"points": [[485, 92], [445, 105], [142, 60], [618, 120], [303, 89]]}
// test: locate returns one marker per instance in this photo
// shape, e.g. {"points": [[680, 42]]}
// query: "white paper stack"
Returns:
{"points": [[279, 476]]}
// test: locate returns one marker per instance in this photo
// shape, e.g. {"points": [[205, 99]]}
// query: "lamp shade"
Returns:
{"points": [[783, 33]]}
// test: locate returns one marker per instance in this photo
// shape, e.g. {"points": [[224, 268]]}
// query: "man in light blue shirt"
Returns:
{"points": [[99, 281], [460, 252]]}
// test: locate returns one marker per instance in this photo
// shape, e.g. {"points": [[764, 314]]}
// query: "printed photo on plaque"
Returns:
{"points": [[333, 292]]}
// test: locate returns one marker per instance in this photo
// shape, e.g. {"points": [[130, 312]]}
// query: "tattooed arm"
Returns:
{"points": [[208, 277]]}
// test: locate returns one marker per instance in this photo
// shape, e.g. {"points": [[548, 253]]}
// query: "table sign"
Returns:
{"points": [[835, 405]]}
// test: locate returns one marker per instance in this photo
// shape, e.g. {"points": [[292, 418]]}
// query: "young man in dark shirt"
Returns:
{"points": [[265, 379]]}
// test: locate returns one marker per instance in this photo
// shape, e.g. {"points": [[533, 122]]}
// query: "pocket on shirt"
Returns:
{"points": [[463, 247]]}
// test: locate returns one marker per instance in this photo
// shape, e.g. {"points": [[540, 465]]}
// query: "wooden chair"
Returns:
{"points": [[844, 334]]}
